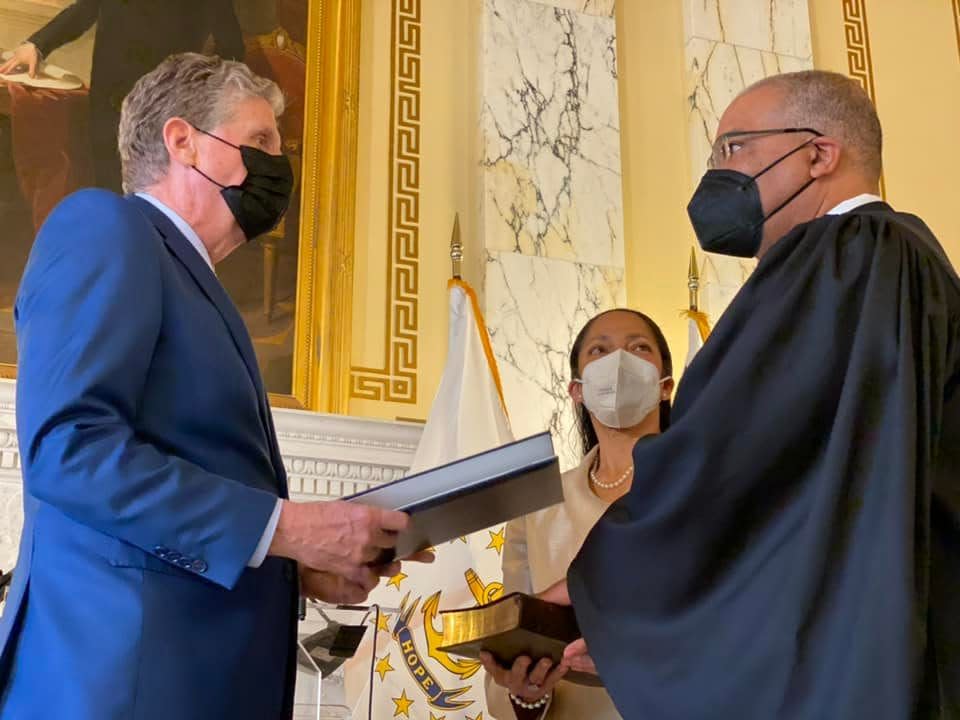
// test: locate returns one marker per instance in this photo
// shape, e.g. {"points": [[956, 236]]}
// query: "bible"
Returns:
{"points": [[514, 625], [468, 495]]}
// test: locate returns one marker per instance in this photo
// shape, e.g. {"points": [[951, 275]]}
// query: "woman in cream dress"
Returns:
{"points": [[621, 368]]}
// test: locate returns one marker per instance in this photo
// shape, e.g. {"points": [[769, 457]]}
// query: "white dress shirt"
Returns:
{"points": [[855, 202], [260, 553]]}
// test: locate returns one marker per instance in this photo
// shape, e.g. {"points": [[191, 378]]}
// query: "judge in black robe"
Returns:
{"points": [[790, 548]]}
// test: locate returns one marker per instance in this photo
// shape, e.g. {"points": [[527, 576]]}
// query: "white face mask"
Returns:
{"points": [[621, 389]]}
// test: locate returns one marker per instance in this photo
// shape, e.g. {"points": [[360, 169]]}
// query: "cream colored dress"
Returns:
{"points": [[538, 551]]}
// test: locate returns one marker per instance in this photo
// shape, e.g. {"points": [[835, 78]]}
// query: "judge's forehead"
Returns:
{"points": [[758, 109]]}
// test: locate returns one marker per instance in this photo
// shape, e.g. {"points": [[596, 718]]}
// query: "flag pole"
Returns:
{"points": [[693, 282], [456, 248]]}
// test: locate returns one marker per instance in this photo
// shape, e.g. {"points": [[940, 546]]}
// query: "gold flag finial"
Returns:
{"points": [[693, 281], [456, 248]]}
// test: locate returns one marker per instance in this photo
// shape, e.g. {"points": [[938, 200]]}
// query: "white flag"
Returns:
{"points": [[694, 343], [412, 679]]}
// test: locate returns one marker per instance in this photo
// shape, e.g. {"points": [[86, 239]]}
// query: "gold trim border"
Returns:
{"points": [[956, 22], [859, 58], [395, 380], [328, 208]]}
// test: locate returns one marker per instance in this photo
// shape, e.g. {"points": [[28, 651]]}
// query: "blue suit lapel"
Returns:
{"points": [[217, 295]]}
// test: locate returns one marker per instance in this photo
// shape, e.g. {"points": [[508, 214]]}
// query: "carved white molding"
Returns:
{"points": [[329, 456], [326, 457]]}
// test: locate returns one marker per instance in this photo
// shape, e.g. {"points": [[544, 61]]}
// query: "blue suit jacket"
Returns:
{"points": [[151, 468]]}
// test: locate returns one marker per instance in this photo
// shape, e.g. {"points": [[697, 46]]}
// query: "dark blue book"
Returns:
{"points": [[468, 495]]}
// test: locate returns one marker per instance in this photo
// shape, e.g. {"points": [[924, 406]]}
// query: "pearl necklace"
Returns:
{"points": [[611, 485]]}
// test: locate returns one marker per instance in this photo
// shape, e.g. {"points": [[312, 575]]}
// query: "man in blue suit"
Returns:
{"points": [[160, 562]]}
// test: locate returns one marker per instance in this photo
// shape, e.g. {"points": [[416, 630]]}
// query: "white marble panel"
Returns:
{"points": [[777, 26], [551, 133], [535, 308], [720, 280], [604, 8]]}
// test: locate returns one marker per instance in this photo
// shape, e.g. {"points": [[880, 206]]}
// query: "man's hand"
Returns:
{"points": [[338, 537], [330, 588], [577, 657], [526, 682], [25, 55]]}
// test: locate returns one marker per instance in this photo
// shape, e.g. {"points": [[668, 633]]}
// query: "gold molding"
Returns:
{"points": [[395, 380], [956, 23], [328, 205], [859, 59]]}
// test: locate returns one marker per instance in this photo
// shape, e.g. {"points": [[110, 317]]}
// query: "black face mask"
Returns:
{"points": [[259, 202], [726, 212]]}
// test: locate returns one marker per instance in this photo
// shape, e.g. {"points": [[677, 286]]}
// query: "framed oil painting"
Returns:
{"points": [[58, 134]]}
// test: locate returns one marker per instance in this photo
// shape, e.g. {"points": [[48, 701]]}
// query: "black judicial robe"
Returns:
{"points": [[790, 547]]}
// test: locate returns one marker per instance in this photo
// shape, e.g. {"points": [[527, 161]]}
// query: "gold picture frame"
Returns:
{"points": [[324, 297], [324, 282]]}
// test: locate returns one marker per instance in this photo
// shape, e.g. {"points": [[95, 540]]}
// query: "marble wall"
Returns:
{"points": [[731, 44], [552, 214]]}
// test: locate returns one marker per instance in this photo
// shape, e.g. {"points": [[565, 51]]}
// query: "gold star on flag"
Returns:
{"points": [[403, 704], [383, 623], [397, 579], [496, 540], [478, 717], [384, 666], [434, 717]]}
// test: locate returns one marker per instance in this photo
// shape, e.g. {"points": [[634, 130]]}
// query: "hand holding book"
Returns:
{"points": [[575, 655], [525, 679], [519, 625]]}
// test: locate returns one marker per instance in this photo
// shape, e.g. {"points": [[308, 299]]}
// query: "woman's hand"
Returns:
{"points": [[577, 657], [528, 684], [556, 593]]}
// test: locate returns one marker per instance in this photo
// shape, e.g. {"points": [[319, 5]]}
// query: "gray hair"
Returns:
{"points": [[202, 89], [836, 106]]}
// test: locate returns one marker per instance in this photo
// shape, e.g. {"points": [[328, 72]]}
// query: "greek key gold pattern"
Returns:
{"points": [[396, 380], [859, 60]]}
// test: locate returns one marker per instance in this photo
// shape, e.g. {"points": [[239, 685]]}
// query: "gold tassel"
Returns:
{"points": [[700, 318]]}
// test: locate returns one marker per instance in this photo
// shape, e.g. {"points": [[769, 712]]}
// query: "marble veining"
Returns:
{"points": [[535, 308], [604, 8], [551, 133], [776, 26]]}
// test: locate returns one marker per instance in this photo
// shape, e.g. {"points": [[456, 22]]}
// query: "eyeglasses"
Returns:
{"points": [[725, 146]]}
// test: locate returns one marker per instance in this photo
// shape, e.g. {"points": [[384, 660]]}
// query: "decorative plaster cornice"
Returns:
{"points": [[326, 456]]}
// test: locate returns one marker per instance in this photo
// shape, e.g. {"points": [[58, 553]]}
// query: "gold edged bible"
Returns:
{"points": [[516, 624]]}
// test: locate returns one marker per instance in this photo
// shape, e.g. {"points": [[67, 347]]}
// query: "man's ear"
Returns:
{"points": [[181, 141], [825, 158]]}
